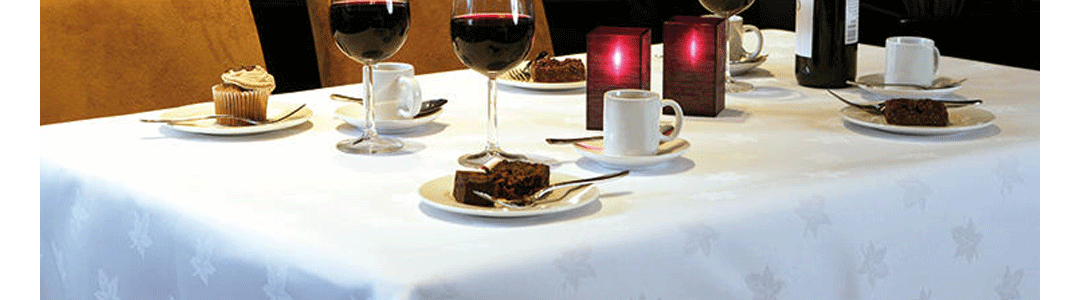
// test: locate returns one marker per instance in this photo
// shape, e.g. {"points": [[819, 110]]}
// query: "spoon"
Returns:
{"points": [[665, 129], [242, 119], [426, 108], [539, 196]]}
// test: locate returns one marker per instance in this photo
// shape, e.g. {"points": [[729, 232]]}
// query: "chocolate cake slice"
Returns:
{"points": [[551, 70], [511, 180], [518, 179], [465, 182], [921, 112]]}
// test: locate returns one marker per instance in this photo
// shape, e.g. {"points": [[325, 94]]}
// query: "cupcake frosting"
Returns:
{"points": [[255, 78]]}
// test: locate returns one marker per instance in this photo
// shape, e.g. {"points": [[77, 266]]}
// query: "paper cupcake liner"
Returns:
{"points": [[247, 104]]}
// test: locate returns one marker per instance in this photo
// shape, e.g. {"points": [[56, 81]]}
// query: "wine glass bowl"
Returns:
{"points": [[725, 9], [369, 31], [491, 37]]}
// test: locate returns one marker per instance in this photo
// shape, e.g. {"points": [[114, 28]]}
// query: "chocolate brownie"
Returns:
{"points": [[511, 180], [465, 182], [918, 112], [551, 70]]}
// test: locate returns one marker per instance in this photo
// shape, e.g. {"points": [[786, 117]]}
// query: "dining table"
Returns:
{"points": [[783, 195]]}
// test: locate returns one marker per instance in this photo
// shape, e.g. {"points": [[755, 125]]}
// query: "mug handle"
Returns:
{"points": [[413, 103], [937, 58], [678, 119], [760, 40]]}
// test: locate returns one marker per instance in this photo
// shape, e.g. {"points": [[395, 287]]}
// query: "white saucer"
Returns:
{"points": [[506, 80], [668, 151], [273, 110], [353, 113], [960, 120], [439, 193], [899, 91], [739, 67]]}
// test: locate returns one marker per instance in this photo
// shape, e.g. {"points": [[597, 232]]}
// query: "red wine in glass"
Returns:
{"points": [[491, 37], [491, 43], [369, 30]]}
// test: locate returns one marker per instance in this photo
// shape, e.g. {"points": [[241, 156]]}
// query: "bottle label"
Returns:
{"points": [[851, 29], [804, 27]]}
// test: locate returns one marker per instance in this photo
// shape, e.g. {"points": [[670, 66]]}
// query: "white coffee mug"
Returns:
{"points": [[397, 93], [736, 31], [632, 119], [911, 60]]}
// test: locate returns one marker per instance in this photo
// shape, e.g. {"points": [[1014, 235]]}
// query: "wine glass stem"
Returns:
{"points": [[369, 95], [492, 122]]}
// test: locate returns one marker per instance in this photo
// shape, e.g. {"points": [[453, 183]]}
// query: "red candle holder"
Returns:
{"points": [[617, 58], [694, 54]]}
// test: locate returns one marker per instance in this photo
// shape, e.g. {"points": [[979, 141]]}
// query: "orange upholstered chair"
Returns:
{"points": [[111, 57], [427, 47]]}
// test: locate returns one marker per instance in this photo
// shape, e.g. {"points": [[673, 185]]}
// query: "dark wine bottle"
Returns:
{"points": [[826, 42]]}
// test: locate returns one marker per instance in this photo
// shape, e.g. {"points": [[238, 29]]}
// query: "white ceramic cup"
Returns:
{"points": [[911, 60], [735, 36], [397, 93], [632, 119]]}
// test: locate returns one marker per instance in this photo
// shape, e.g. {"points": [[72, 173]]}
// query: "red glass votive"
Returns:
{"points": [[616, 58], [694, 65]]}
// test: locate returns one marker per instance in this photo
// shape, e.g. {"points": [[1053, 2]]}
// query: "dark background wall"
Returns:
{"points": [[984, 30]]}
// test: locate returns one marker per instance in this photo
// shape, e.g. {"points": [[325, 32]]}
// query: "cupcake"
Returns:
{"points": [[243, 93]]}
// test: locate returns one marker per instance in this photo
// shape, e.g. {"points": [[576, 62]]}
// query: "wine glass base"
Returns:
{"points": [[477, 160], [370, 145], [734, 86]]}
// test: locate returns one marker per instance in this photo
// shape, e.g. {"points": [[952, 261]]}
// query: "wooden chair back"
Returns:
{"points": [[427, 47], [111, 57]]}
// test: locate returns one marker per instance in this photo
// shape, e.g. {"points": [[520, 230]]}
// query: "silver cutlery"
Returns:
{"points": [[219, 116], [523, 73], [940, 83], [426, 108], [520, 74], [540, 197], [561, 141], [878, 107]]}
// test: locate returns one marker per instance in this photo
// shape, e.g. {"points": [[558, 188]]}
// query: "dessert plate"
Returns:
{"points": [[960, 120], [739, 67], [506, 80], [439, 193], [353, 113], [210, 126], [900, 91], [668, 151]]}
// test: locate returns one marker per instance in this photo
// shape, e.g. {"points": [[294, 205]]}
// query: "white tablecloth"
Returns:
{"points": [[777, 198]]}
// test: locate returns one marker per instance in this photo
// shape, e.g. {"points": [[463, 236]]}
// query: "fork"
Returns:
{"points": [[242, 119], [537, 198], [878, 107], [522, 74], [937, 84]]}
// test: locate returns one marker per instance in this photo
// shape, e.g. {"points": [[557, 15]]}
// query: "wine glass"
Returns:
{"points": [[369, 31], [725, 9], [491, 37]]}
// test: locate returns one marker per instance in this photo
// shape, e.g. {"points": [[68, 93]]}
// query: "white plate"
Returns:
{"points": [[743, 66], [353, 113], [506, 80], [899, 91], [273, 111], [667, 151], [439, 193], [960, 119]]}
